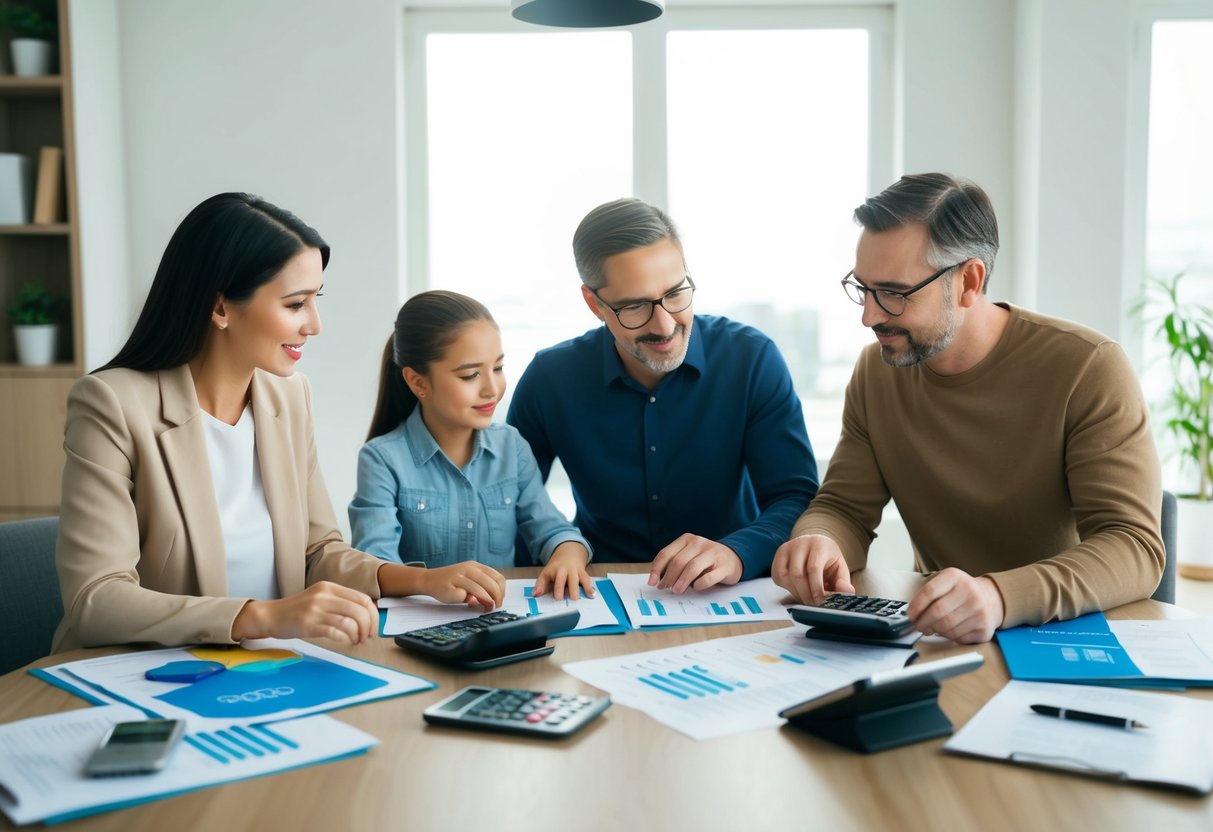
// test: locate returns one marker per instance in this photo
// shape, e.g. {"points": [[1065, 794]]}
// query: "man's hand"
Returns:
{"points": [[565, 573], [694, 562], [809, 566], [958, 606]]}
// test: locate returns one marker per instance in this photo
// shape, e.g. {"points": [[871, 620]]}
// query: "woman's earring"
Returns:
{"points": [[222, 327]]}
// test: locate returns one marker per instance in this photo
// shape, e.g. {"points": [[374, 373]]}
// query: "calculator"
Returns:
{"points": [[490, 640], [856, 615], [530, 712]]}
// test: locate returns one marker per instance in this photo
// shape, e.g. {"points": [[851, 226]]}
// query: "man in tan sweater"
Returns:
{"points": [[1016, 446]]}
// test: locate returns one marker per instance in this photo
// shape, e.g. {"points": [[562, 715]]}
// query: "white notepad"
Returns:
{"points": [[1172, 751]]}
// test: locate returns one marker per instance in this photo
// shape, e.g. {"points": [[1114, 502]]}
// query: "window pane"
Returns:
{"points": [[1179, 213], [768, 156], [527, 133]]}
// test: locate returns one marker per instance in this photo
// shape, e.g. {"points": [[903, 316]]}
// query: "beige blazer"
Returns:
{"points": [[140, 551]]}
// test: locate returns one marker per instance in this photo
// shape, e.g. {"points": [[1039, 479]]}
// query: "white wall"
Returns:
{"points": [[302, 104], [295, 100]]}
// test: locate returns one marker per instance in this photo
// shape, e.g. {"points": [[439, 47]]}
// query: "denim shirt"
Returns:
{"points": [[414, 505]]}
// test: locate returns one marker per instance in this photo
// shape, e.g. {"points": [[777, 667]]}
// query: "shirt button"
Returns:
{"points": [[654, 498], [421, 506], [469, 524], [652, 399], [652, 447], [509, 500]]}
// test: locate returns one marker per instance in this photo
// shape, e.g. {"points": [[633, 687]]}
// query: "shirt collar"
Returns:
{"points": [[612, 364], [424, 447]]}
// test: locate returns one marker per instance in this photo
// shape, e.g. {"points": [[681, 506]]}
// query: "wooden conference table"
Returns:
{"points": [[627, 772]]}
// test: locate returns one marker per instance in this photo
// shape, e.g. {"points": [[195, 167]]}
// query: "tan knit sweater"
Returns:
{"points": [[1036, 468]]}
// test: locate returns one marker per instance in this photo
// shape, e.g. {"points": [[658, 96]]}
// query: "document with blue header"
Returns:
{"points": [[42, 760], [1089, 649]]}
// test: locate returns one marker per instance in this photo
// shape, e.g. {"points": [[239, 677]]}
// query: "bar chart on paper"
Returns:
{"points": [[647, 606], [727, 685]]}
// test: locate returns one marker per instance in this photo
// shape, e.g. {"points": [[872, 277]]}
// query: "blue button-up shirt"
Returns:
{"points": [[414, 505], [718, 448]]}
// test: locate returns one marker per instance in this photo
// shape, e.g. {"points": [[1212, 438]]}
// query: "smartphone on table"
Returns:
{"points": [[135, 747]]}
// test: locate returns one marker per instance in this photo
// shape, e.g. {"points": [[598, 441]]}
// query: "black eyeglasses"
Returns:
{"points": [[890, 301], [637, 314]]}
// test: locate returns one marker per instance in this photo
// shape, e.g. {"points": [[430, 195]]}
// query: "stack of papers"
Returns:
{"points": [[42, 766], [254, 715], [1092, 650]]}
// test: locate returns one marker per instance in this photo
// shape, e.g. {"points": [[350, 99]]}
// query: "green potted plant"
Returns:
{"points": [[1186, 328], [34, 28], [35, 325]]}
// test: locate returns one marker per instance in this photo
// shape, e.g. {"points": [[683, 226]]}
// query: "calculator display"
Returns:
{"points": [[464, 699]]}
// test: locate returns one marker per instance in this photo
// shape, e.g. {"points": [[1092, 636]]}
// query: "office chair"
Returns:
{"points": [[30, 604], [1166, 586]]}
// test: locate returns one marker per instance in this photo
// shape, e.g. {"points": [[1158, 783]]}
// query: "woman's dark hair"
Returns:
{"points": [[427, 324], [229, 245]]}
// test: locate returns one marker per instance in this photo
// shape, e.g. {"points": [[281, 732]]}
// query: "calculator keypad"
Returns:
{"points": [[458, 631], [520, 711], [865, 604]]}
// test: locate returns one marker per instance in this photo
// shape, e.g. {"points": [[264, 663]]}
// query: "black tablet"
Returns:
{"points": [[887, 687]]}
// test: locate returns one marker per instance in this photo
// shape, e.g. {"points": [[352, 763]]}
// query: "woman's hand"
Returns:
{"points": [[566, 572], [323, 610], [469, 582]]}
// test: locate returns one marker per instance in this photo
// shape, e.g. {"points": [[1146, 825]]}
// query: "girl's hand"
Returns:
{"points": [[323, 610], [566, 572], [468, 582]]}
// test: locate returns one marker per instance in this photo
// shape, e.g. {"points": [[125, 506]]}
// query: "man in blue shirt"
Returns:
{"points": [[681, 434]]}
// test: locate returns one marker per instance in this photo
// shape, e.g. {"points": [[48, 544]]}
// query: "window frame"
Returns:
{"points": [[649, 135]]}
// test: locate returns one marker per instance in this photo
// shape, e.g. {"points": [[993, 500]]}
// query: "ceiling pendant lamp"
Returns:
{"points": [[586, 14]]}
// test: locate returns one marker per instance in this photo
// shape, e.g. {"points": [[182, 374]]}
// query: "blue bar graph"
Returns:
{"points": [[736, 605], [791, 658], [660, 607], [719, 610], [238, 742], [695, 682], [533, 605], [644, 607], [752, 603]]}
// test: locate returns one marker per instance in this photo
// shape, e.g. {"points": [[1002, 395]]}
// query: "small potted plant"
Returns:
{"points": [[35, 326], [34, 27], [1187, 330]]}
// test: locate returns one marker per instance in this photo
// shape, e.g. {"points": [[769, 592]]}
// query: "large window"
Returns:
{"points": [[1179, 210], [760, 131]]}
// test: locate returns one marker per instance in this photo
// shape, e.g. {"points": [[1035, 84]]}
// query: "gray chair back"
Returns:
{"points": [[1166, 586], [30, 604]]}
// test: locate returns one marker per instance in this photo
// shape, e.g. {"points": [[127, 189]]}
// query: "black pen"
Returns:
{"points": [[1084, 716]]}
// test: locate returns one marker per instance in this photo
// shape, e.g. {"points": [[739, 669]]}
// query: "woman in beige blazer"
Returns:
{"points": [[141, 551]]}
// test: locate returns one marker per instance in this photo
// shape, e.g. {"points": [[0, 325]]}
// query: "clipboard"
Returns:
{"points": [[1172, 752]]}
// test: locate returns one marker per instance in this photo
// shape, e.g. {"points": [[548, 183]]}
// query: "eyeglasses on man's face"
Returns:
{"points": [[892, 302], [638, 313]]}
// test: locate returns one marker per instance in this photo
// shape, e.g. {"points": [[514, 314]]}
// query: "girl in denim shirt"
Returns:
{"points": [[438, 481]]}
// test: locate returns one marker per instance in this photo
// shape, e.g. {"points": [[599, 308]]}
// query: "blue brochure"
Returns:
{"points": [[1087, 650], [1083, 649]]}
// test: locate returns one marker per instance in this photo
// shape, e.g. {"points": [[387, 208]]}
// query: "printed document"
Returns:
{"points": [[419, 611], [647, 606], [42, 760], [728, 685], [263, 680]]}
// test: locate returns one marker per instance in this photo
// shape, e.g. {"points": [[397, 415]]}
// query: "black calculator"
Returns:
{"points": [[531, 712], [856, 615], [492, 639]]}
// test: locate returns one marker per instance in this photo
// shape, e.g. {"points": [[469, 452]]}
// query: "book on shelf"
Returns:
{"points": [[48, 194], [15, 189]]}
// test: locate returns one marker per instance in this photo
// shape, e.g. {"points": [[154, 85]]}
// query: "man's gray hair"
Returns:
{"points": [[614, 228], [958, 215]]}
